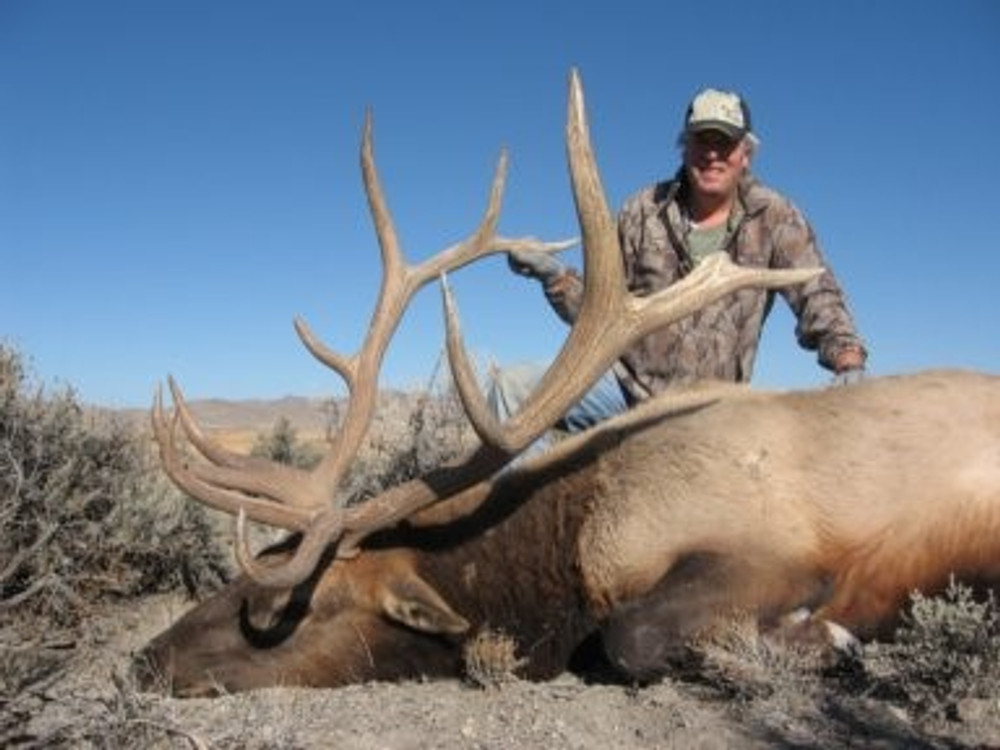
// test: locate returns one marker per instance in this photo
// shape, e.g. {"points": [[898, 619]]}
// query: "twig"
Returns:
{"points": [[18, 560], [197, 742]]}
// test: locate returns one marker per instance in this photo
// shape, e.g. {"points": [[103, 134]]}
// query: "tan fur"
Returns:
{"points": [[891, 485], [705, 504]]}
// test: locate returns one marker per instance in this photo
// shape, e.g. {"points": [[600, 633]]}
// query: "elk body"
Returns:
{"points": [[640, 534], [645, 530]]}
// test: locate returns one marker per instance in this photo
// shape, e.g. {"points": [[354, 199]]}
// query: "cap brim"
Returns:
{"points": [[726, 128]]}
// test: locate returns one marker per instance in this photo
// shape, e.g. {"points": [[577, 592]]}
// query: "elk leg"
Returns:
{"points": [[647, 637]]}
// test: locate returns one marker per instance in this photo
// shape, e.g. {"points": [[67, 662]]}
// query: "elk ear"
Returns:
{"points": [[413, 602]]}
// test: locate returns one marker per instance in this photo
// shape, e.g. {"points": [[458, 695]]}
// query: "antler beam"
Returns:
{"points": [[610, 321], [306, 501]]}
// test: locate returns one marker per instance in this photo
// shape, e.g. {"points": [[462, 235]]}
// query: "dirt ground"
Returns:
{"points": [[84, 698]]}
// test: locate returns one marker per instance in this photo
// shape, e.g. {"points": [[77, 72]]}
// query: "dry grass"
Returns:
{"points": [[739, 660], [491, 659]]}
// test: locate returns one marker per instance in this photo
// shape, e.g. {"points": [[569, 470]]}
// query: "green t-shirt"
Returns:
{"points": [[703, 242]]}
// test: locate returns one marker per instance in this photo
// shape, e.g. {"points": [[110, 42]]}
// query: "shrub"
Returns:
{"points": [[431, 431], [946, 649], [84, 516], [282, 444]]}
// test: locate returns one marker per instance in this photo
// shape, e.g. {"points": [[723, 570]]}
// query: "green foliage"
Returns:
{"points": [[946, 649], [84, 515], [282, 444]]}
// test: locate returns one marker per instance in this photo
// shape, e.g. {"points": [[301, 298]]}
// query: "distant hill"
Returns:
{"points": [[238, 423]]}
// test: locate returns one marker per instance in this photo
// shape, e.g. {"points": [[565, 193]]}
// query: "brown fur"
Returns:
{"points": [[651, 527]]}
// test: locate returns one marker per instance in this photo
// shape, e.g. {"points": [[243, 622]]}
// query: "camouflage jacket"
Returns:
{"points": [[720, 341]]}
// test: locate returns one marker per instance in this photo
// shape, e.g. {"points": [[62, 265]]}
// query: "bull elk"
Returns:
{"points": [[642, 532]]}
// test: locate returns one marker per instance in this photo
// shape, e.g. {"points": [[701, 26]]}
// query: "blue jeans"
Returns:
{"points": [[510, 387]]}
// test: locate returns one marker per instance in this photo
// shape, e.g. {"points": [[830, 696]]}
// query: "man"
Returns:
{"points": [[713, 204]]}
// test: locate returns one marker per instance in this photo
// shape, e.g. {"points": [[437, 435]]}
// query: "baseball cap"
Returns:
{"points": [[712, 109]]}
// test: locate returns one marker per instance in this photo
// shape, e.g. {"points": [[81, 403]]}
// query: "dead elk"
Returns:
{"points": [[696, 506]]}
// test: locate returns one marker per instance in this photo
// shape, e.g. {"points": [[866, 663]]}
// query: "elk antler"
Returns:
{"points": [[610, 321], [291, 498]]}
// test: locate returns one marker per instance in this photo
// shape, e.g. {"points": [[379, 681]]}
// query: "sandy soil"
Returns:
{"points": [[86, 699]]}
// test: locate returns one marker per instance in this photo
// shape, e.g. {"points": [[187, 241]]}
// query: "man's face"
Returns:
{"points": [[715, 162]]}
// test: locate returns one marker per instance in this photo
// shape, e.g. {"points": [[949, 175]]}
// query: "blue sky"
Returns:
{"points": [[179, 179]]}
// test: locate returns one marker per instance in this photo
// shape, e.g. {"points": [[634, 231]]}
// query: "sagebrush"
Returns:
{"points": [[84, 513], [946, 650]]}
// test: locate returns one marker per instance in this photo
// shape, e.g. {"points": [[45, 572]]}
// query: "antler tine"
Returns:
{"points": [[463, 374], [283, 496], [317, 526], [254, 475], [392, 257], [335, 361], [480, 243], [400, 282], [714, 278], [207, 447], [360, 372], [610, 318], [182, 474], [315, 538], [603, 304]]}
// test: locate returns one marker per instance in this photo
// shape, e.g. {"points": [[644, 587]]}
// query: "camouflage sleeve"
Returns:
{"points": [[824, 323], [565, 294], [630, 221]]}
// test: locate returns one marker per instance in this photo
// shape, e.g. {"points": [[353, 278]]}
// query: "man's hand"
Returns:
{"points": [[535, 264], [849, 377], [849, 366]]}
